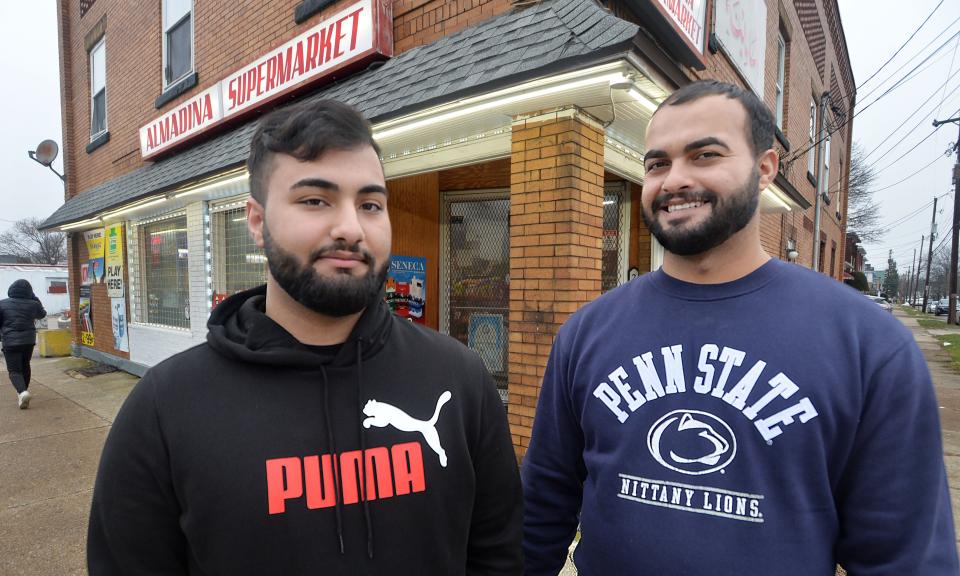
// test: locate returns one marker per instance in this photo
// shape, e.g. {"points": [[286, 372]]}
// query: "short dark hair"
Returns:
{"points": [[304, 130], [759, 119]]}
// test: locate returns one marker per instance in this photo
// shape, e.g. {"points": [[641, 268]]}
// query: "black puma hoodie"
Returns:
{"points": [[254, 454]]}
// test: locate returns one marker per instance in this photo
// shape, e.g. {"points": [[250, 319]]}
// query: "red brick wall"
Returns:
{"points": [[556, 234]]}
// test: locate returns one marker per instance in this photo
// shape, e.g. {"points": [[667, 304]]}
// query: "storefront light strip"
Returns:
{"points": [[497, 99], [139, 206], [81, 224], [643, 100], [773, 194], [200, 188]]}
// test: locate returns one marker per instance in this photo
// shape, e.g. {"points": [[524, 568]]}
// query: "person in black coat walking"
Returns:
{"points": [[18, 335]]}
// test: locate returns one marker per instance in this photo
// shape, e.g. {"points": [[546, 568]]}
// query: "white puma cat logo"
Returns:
{"points": [[381, 414]]}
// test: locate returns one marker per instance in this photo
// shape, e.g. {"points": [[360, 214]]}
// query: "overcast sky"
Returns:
{"points": [[874, 30], [31, 102]]}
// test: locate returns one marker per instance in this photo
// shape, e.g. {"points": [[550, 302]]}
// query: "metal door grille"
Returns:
{"points": [[615, 233], [476, 277]]}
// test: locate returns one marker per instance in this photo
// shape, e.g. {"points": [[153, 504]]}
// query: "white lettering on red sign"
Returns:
{"points": [[310, 54], [688, 16], [353, 33], [188, 118]]}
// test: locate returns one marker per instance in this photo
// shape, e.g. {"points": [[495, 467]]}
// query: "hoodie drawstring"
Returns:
{"points": [[336, 464], [363, 453]]}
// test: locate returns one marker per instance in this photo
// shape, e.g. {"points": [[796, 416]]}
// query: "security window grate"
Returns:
{"points": [[613, 245], [237, 262], [164, 261]]}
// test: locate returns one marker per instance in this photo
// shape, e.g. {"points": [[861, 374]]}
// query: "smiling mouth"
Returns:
{"points": [[680, 207]]}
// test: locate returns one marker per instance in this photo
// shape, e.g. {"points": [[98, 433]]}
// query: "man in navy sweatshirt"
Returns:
{"points": [[732, 414]]}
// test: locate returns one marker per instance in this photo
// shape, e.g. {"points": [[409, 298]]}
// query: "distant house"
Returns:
{"points": [[49, 283]]}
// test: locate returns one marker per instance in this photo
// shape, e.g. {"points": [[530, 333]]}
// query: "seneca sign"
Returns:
{"points": [[344, 41]]}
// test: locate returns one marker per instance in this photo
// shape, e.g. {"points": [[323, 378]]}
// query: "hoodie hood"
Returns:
{"points": [[239, 328], [20, 289]]}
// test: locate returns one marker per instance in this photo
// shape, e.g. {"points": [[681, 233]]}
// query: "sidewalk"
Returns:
{"points": [[48, 462], [946, 381]]}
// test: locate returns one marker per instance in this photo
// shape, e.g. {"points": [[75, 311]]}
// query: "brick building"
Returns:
{"points": [[512, 135]]}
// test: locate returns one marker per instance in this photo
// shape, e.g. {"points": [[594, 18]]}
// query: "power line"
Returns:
{"points": [[949, 72], [902, 46], [910, 176]]}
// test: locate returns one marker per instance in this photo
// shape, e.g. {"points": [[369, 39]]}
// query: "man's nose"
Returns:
{"points": [[677, 179], [347, 226]]}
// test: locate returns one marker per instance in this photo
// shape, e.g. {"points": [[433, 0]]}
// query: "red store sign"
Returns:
{"points": [[345, 41]]}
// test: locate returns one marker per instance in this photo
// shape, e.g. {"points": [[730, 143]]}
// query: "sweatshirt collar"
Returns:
{"points": [[753, 281]]}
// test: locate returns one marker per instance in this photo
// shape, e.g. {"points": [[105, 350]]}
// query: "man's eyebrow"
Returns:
{"points": [[704, 142], [654, 154], [374, 189], [333, 187], [315, 183]]}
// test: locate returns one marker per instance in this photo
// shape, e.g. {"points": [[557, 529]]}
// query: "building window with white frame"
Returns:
{"points": [[98, 88], [165, 272], [825, 185], [781, 78], [177, 40], [812, 145], [238, 264]]}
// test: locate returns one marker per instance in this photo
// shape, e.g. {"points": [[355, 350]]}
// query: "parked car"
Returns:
{"points": [[943, 306], [882, 302], [932, 307]]}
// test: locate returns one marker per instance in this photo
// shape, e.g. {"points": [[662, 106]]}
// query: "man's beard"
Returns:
{"points": [[339, 295], [727, 217]]}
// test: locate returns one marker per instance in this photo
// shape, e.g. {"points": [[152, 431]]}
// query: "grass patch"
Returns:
{"points": [[911, 311], [953, 349], [931, 323]]}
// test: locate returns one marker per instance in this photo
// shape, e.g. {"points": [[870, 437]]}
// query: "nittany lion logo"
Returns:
{"points": [[692, 442]]}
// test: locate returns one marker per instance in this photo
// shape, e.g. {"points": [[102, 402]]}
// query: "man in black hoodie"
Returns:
{"points": [[314, 432], [18, 335]]}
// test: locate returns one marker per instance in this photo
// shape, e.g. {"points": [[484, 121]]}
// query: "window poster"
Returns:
{"points": [[407, 287], [95, 254], [85, 317], [118, 316]]}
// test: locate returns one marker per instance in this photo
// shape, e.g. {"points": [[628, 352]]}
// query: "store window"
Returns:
{"points": [[164, 261], [781, 77], [177, 40], [237, 262], [98, 89], [812, 140]]}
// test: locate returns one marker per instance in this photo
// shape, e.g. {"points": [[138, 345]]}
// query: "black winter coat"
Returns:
{"points": [[17, 315]]}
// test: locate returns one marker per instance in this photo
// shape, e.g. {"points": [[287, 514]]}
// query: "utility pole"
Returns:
{"points": [[910, 278], [822, 187], [933, 232], [955, 232], [916, 283]]}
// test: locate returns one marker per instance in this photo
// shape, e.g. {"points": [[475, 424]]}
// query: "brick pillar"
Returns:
{"points": [[556, 235]]}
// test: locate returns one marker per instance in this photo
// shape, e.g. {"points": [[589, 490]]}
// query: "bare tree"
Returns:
{"points": [[863, 213], [39, 247]]}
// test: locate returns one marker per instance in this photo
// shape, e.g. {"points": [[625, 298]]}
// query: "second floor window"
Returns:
{"points": [[781, 70], [98, 89], [177, 40]]}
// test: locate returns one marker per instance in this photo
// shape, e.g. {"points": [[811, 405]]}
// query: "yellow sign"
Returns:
{"points": [[94, 240], [86, 338], [114, 251]]}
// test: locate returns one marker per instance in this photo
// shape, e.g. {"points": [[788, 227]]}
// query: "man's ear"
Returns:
{"points": [[767, 166], [255, 216]]}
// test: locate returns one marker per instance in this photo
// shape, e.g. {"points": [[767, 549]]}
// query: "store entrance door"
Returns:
{"points": [[475, 276]]}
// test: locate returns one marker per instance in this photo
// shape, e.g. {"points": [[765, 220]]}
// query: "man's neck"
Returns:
{"points": [[307, 326], [740, 255]]}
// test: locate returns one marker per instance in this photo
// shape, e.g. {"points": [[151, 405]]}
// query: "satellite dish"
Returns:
{"points": [[47, 152]]}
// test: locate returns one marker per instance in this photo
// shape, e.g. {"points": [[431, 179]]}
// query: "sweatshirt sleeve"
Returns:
{"points": [[496, 525], [893, 499], [134, 526], [553, 472]]}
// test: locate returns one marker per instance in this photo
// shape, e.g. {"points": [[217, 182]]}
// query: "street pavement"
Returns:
{"points": [[49, 454]]}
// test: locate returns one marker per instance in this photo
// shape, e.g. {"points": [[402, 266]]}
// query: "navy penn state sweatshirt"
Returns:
{"points": [[777, 424], [253, 454]]}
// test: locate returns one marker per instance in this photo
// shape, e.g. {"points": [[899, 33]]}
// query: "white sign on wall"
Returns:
{"points": [[741, 29]]}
